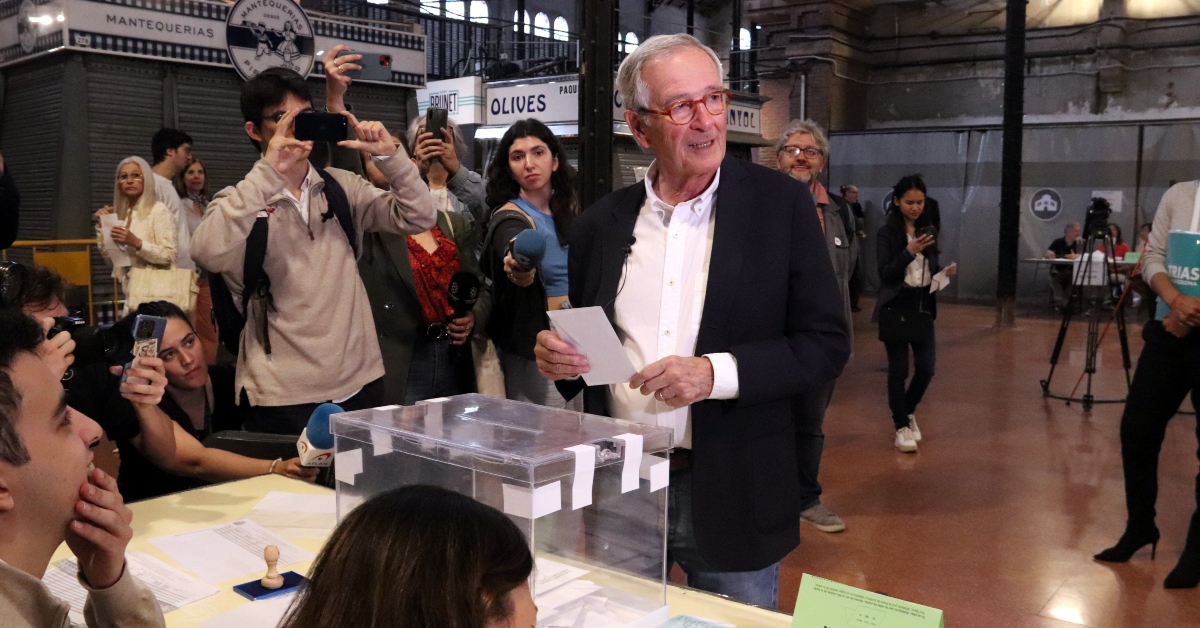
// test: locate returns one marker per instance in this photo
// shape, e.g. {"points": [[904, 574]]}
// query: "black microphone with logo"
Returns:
{"points": [[461, 294]]}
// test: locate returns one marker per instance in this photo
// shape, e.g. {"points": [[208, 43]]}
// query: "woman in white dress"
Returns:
{"points": [[147, 231]]}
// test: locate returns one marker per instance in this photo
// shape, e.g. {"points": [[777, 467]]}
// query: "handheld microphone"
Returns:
{"points": [[527, 249], [463, 292], [316, 443]]}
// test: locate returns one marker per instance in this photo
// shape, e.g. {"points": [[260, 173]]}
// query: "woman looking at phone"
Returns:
{"points": [[147, 231], [906, 249], [531, 186]]}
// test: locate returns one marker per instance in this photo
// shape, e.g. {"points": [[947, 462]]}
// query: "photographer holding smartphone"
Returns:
{"points": [[907, 254], [319, 343]]}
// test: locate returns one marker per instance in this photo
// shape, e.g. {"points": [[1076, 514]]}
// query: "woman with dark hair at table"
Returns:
{"points": [[419, 556], [531, 186]]}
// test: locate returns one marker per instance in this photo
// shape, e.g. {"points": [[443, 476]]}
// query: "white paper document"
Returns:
{"points": [[228, 551], [942, 279], [553, 574], [115, 252], [172, 588], [258, 614], [588, 330], [296, 515]]}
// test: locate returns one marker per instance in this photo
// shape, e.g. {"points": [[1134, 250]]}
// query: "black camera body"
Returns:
{"points": [[1098, 214]]}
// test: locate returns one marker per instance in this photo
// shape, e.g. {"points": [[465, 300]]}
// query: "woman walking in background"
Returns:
{"points": [[147, 232], [906, 249], [531, 186]]}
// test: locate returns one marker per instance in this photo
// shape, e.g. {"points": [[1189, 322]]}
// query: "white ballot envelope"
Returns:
{"points": [[942, 279], [115, 251], [588, 330]]}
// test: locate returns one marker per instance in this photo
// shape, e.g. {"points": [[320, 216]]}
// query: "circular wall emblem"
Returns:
{"points": [[262, 34], [1045, 204], [27, 30]]}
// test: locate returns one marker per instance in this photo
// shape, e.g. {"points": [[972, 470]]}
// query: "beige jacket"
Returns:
{"points": [[1174, 214], [323, 343], [26, 603], [159, 234]]}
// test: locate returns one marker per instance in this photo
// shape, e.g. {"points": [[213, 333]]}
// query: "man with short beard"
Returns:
{"points": [[802, 152]]}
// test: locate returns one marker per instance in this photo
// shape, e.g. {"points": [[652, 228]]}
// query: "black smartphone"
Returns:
{"points": [[928, 230], [375, 66], [321, 127], [435, 120]]}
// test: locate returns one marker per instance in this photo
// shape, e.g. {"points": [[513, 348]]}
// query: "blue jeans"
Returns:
{"points": [[760, 587], [432, 372]]}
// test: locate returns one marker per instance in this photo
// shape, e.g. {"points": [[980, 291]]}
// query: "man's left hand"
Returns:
{"points": [[676, 381], [373, 138], [460, 328], [101, 532]]}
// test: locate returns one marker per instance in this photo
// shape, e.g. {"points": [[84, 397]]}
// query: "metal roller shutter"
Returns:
{"points": [[206, 105], [627, 155], [125, 109], [31, 129]]}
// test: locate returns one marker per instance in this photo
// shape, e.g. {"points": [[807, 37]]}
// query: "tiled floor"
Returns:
{"points": [[996, 519]]}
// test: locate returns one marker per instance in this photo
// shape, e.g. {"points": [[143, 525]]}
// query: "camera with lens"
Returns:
{"points": [[95, 344], [1096, 222]]}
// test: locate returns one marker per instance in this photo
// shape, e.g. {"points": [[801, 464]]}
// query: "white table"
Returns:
{"points": [[223, 503]]}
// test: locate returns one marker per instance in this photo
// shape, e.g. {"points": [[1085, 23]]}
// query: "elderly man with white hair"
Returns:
{"points": [[714, 274], [802, 152]]}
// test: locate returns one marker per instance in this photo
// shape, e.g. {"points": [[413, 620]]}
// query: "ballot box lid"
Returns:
{"points": [[509, 438]]}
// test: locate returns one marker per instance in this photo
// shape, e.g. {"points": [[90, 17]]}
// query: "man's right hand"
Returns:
{"points": [[101, 531], [558, 359], [285, 153], [57, 352]]}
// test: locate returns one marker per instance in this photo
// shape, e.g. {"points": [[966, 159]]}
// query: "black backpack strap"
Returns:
{"points": [[339, 207], [255, 282]]}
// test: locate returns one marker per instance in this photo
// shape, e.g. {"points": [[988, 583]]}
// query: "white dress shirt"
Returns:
{"points": [[660, 301], [165, 191]]}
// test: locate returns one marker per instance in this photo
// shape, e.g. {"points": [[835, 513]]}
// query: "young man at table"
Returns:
{"points": [[50, 492]]}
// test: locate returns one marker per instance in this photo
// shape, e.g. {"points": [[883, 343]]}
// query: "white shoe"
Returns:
{"points": [[912, 425], [905, 441]]}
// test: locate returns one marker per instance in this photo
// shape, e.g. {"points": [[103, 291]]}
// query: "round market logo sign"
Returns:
{"points": [[26, 28], [262, 34], [1045, 204]]}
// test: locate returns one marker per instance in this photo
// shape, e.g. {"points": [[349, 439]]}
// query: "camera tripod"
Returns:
{"points": [[1093, 297]]}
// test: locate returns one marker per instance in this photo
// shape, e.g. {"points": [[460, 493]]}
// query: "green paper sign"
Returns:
{"points": [[827, 604]]}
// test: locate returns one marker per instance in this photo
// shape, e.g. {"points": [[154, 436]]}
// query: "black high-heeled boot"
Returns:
{"points": [[1130, 542], [1186, 574]]}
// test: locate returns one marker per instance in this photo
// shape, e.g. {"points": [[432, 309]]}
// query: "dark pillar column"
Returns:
{"points": [[1010, 165], [596, 99], [691, 16]]}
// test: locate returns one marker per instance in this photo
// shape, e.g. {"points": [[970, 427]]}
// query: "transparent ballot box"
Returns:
{"points": [[589, 492]]}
